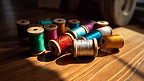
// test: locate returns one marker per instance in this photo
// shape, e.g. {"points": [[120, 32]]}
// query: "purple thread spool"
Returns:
{"points": [[90, 25]]}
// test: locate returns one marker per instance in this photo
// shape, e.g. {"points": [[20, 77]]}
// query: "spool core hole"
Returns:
{"points": [[74, 21], [103, 41], [35, 29], [22, 21], [53, 48], [59, 20], [102, 21], [50, 26]]}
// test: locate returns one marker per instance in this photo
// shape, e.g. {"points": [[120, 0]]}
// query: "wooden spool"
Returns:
{"points": [[22, 26], [36, 31], [61, 25], [95, 47], [117, 12], [48, 27], [74, 21]]}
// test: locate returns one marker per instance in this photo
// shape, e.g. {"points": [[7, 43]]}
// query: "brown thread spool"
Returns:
{"points": [[22, 26], [95, 48], [34, 25], [102, 24], [111, 42], [50, 33], [61, 25]]}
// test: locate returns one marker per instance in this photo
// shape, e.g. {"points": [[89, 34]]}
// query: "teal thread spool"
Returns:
{"points": [[44, 22], [79, 31], [73, 23], [94, 34], [36, 40]]}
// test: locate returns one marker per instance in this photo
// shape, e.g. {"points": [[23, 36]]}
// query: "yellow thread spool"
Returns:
{"points": [[111, 41]]}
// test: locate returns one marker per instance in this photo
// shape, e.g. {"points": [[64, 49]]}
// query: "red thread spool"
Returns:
{"points": [[61, 25], [102, 24], [61, 44], [50, 33]]}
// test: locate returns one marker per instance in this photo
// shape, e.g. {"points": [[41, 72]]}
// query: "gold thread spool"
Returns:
{"points": [[31, 31], [22, 26], [61, 25], [34, 25], [95, 48], [67, 29], [111, 42]]}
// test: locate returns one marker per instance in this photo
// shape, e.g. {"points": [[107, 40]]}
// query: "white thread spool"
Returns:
{"points": [[85, 48], [107, 30]]}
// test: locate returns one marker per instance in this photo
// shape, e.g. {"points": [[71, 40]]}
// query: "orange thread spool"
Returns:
{"points": [[102, 24], [111, 42], [61, 25]]}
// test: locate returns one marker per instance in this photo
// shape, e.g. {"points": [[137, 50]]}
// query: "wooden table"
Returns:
{"points": [[17, 64], [125, 64]]}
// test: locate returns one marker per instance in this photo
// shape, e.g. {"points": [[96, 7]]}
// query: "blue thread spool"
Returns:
{"points": [[79, 31], [44, 22], [73, 23], [94, 34]]}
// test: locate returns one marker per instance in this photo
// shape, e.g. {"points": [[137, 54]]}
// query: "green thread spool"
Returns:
{"points": [[36, 40]]}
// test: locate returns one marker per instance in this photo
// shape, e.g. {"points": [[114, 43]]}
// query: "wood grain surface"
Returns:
{"points": [[17, 64]]}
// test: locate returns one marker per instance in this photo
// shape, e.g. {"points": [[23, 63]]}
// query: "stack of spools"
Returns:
{"points": [[84, 40]]}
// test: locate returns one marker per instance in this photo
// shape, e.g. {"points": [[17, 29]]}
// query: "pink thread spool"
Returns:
{"points": [[90, 25], [102, 24], [50, 33]]}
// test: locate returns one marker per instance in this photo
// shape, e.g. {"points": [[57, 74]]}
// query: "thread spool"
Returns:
{"points": [[107, 30], [79, 31], [94, 34], [73, 23], [111, 42], [102, 24], [90, 25], [22, 26], [61, 44], [36, 40], [50, 33], [85, 48], [61, 25], [34, 25], [67, 29], [45, 21]]}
